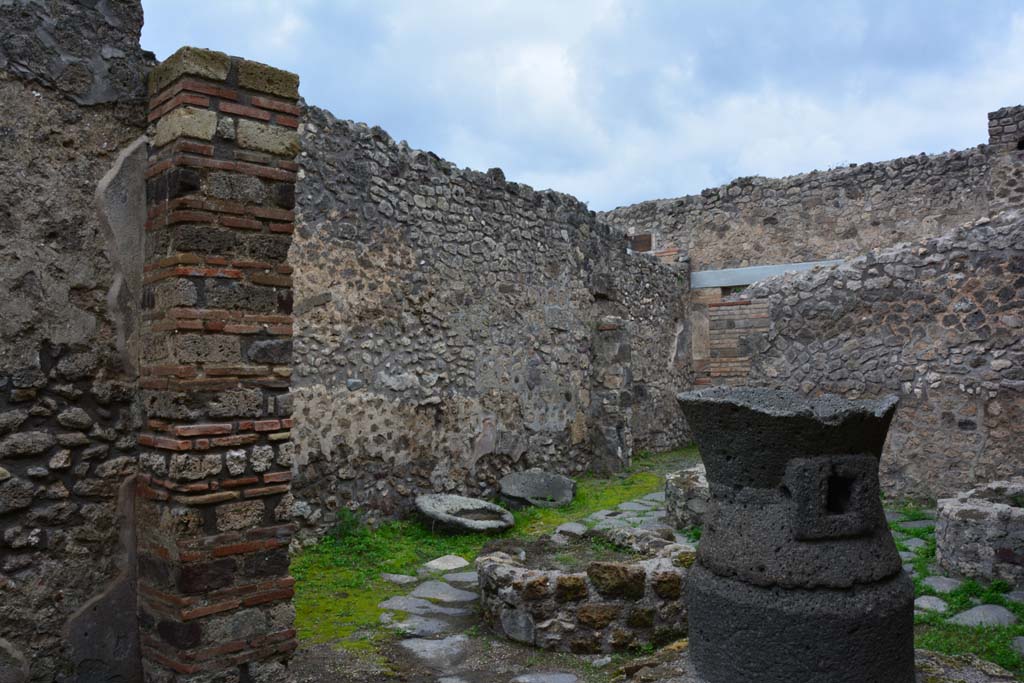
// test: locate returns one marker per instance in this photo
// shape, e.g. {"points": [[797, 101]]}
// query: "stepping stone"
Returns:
{"points": [[633, 506], [906, 556], [985, 615], [560, 540], [930, 603], [439, 591], [914, 543], [893, 516], [405, 603], [1015, 596], [919, 524], [447, 563], [1018, 645], [658, 497], [909, 568], [452, 679], [441, 654], [400, 579], [466, 578], [546, 678], [571, 529], [942, 584], [415, 625], [611, 524], [655, 525]]}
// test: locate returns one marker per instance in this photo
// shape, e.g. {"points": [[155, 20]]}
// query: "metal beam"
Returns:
{"points": [[733, 277]]}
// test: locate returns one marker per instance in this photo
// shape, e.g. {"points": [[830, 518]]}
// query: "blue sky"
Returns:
{"points": [[617, 101]]}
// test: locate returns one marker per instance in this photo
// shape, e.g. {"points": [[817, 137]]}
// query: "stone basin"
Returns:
{"points": [[537, 487], [980, 533], [606, 591], [459, 514]]}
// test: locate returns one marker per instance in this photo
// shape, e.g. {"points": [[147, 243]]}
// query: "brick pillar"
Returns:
{"points": [[215, 454]]}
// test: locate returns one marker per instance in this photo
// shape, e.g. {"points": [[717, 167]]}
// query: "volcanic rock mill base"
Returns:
{"points": [[797, 575]]}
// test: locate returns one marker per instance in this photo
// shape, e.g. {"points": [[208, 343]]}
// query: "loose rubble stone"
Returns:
{"points": [[985, 615], [537, 487]]}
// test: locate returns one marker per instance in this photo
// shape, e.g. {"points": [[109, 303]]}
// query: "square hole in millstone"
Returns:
{"points": [[839, 494]]}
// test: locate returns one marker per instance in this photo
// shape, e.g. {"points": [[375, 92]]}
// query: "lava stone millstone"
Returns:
{"points": [[797, 575]]}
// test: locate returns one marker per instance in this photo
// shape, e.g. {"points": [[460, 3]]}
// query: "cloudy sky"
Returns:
{"points": [[617, 101]]}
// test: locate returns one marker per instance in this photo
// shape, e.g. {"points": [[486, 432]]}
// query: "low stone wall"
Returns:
{"points": [[980, 534], [939, 322], [609, 607], [453, 327]]}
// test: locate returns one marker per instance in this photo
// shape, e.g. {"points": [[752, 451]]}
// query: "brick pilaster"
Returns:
{"points": [[215, 453]]}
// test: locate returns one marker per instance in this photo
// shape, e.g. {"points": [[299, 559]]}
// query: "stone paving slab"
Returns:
{"points": [[465, 578], [439, 591], [405, 603], [546, 678], [418, 626], [441, 654], [399, 579], [985, 615], [446, 563], [930, 603], [942, 584]]}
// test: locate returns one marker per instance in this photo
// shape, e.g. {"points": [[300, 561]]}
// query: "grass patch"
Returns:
{"points": [[933, 631], [338, 583]]}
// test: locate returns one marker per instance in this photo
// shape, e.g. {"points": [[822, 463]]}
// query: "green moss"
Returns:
{"points": [[338, 583]]}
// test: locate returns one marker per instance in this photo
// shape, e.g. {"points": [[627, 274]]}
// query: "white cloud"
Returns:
{"points": [[616, 101]]}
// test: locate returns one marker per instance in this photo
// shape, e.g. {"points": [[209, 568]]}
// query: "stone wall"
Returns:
{"points": [[72, 85], [450, 325], [838, 213], [939, 322], [214, 453]]}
